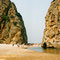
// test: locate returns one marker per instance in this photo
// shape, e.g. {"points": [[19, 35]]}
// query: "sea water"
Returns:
{"points": [[48, 50]]}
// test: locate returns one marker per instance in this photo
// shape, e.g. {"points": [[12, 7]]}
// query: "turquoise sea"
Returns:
{"points": [[48, 50]]}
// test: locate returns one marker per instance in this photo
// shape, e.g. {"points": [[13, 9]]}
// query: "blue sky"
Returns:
{"points": [[33, 13]]}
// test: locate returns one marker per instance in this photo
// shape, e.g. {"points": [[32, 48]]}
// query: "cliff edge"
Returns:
{"points": [[51, 36], [12, 29]]}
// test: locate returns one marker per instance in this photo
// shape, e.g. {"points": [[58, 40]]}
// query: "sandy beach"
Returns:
{"points": [[9, 52]]}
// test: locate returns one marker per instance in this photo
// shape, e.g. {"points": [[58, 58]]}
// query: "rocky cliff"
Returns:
{"points": [[51, 36], [12, 29]]}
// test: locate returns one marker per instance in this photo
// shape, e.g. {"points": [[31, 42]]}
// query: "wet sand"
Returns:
{"points": [[9, 52]]}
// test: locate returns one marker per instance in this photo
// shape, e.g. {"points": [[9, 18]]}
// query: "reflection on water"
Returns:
{"points": [[48, 50]]}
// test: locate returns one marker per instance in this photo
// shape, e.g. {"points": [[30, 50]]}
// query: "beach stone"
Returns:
{"points": [[52, 25]]}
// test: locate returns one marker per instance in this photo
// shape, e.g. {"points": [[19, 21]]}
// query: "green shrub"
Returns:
{"points": [[53, 0], [18, 14], [6, 18]]}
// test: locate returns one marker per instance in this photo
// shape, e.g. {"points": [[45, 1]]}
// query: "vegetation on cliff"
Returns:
{"points": [[12, 28], [52, 26], [53, 0]]}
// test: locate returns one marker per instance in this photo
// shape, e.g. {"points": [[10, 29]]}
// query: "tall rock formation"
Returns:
{"points": [[12, 29], [51, 36]]}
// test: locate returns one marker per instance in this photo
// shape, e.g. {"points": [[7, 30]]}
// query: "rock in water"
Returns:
{"points": [[52, 25], [12, 29]]}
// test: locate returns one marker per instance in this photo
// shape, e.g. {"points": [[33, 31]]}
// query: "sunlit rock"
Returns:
{"points": [[12, 29], [52, 25]]}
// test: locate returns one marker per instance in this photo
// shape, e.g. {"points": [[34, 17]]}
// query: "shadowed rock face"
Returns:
{"points": [[12, 29], [52, 25]]}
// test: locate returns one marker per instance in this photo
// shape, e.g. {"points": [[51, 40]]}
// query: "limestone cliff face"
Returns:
{"points": [[52, 25], [12, 29]]}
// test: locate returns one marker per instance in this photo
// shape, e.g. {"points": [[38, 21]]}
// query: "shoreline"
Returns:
{"points": [[9, 52], [21, 46]]}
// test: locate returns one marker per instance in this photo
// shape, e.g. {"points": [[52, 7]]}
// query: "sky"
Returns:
{"points": [[33, 13]]}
